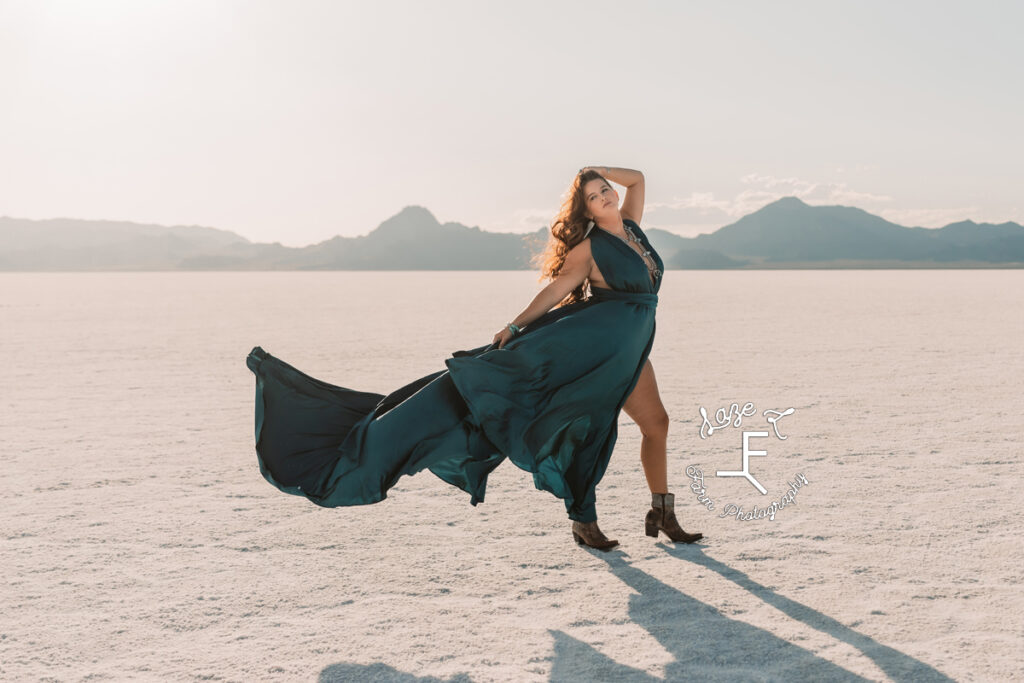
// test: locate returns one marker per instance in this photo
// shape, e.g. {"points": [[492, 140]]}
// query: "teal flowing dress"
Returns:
{"points": [[549, 401]]}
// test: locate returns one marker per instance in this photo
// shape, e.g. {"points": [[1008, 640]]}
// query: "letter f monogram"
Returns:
{"points": [[745, 472]]}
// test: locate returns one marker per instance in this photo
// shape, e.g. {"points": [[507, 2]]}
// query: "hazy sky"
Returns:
{"points": [[296, 121]]}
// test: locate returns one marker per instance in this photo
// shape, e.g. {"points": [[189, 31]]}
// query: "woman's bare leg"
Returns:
{"points": [[644, 406]]}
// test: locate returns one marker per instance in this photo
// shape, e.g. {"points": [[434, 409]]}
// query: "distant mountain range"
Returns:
{"points": [[784, 234]]}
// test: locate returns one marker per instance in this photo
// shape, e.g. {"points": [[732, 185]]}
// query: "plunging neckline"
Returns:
{"points": [[625, 242]]}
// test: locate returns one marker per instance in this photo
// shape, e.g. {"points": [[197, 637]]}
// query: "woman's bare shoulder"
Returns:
{"points": [[581, 250], [579, 256]]}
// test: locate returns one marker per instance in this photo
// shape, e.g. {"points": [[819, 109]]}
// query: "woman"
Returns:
{"points": [[546, 393]]}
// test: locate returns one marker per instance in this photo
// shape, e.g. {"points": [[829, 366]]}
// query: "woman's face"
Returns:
{"points": [[601, 200]]}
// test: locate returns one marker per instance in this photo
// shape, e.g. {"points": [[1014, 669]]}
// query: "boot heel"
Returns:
{"points": [[589, 534], [651, 530]]}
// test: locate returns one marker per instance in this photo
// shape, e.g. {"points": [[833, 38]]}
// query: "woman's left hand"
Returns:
{"points": [[503, 337]]}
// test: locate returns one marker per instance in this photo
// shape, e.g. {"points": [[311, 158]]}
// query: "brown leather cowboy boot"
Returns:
{"points": [[588, 533], [662, 517]]}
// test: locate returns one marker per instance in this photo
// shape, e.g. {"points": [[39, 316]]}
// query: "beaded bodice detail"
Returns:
{"points": [[648, 259], [652, 265]]}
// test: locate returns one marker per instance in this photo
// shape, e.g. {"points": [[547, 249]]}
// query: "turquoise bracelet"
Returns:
{"points": [[515, 328]]}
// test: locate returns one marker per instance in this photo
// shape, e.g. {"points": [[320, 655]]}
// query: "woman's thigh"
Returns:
{"points": [[644, 404]]}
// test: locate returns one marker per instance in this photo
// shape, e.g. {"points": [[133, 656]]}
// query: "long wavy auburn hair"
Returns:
{"points": [[567, 230]]}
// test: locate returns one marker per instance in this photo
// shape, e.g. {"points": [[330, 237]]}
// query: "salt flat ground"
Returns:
{"points": [[139, 541]]}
